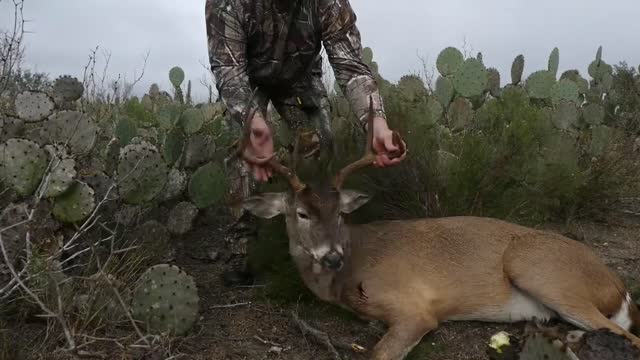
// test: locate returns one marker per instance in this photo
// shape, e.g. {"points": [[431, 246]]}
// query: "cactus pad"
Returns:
{"points": [[33, 106], [599, 69], [176, 76], [168, 116], [208, 185], [141, 173], [67, 88], [554, 61], [460, 114], [435, 110], [574, 75], [181, 218], [593, 114], [537, 347], [22, 165], [449, 60], [73, 128], [471, 78], [176, 183], [126, 130], [62, 171], [444, 91], [198, 150], [540, 83], [493, 83], [517, 69], [76, 204], [173, 146], [166, 300], [192, 120], [367, 55], [10, 127], [564, 90], [565, 115]]}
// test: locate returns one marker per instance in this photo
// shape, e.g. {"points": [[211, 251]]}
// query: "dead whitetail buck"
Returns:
{"points": [[415, 274]]}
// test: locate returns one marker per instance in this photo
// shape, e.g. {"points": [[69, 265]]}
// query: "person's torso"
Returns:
{"points": [[269, 27]]}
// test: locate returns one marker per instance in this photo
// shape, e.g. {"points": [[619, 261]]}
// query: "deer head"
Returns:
{"points": [[314, 213]]}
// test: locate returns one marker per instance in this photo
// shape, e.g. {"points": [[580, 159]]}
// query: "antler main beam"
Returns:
{"points": [[369, 156]]}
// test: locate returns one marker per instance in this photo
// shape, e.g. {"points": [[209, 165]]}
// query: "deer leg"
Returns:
{"points": [[402, 336]]}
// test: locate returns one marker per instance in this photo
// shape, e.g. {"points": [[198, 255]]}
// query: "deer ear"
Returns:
{"points": [[266, 205], [352, 200]]}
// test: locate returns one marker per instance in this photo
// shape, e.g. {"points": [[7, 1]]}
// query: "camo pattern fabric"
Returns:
{"points": [[251, 49]]}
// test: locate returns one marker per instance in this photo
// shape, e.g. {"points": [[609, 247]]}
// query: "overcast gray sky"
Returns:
{"points": [[64, 32]]}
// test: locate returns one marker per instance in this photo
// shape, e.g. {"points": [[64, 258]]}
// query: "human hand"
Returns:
{"points": [[259, 149], [387, 152]]}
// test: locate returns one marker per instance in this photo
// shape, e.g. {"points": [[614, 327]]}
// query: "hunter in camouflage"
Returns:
{"points": [[269, 50]]}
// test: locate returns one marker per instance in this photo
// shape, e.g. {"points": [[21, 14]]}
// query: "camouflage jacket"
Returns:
{"points": [[244, 37]]}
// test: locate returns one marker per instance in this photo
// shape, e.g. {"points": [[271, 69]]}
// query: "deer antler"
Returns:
{"points": [[369, 156], [241, 152]]}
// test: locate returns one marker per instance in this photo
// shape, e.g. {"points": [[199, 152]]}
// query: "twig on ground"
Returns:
{"points": [[229, 305], [320, 336]]}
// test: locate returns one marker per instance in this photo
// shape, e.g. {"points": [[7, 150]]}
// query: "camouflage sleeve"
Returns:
{"points": [[227, 55], [341, 39]]}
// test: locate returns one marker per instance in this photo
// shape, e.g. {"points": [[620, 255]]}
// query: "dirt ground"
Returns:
{"points": [[242, 323]]}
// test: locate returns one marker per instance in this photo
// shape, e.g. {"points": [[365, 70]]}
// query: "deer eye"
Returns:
{"points": [[303, 215]]}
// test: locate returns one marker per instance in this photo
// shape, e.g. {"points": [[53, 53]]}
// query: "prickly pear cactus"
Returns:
{"points": [[22, 165], [565, 115], [126, 130], [192, 120], [173, 146], [537, 347], [208, 185], [593, 114], [517, 69], [539, 84], [141, 173], [67, 88], [14, 238], [449, 60], [33, 106], [601, 137], [566, 90], [198, 149], [471, 78], [61, 172], [176, 76], [554, 61], [168, 116], [10, 127], [493, 83], [574, 75], [176, 184], [73, 128], [166, 300], [444, 91], [435, 110], [76, 204], [460, 114]]}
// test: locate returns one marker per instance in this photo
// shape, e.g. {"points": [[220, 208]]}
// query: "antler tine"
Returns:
{"points": [[367, 159]]}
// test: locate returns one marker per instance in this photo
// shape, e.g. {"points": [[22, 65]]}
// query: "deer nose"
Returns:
{"points": [[333, 260]]}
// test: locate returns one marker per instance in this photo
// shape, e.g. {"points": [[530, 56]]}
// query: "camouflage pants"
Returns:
{"points": [[304, 108]]}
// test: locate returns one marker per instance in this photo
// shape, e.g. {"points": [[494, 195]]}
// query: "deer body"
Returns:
{"points": [[415, 274]]}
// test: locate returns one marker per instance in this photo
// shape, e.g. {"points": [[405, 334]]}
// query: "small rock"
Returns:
{"points": [[275, 350]]}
